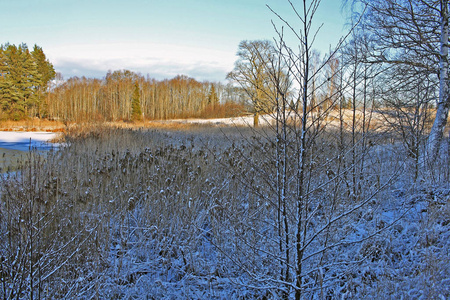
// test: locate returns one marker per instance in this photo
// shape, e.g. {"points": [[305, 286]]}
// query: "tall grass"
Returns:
{"points": [[122, 213]]}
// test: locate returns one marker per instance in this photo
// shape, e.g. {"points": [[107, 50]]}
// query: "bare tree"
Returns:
{"points": [[295, 172], [252, 73], [414, 34], [408, 99]]}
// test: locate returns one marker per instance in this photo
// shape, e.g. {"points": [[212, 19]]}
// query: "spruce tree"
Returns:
{"points": [[136, 112], [212, 97]]}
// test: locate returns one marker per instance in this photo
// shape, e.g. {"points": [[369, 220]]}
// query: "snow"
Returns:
{"points": [[234, 121], [25, 141], [151, 254]]}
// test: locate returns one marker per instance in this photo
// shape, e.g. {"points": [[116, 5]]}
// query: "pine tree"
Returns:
{"points": [[24, 79], [31, 81], [9, 94], [45, 73], [136, 112], [44, 67], [14, 89]]}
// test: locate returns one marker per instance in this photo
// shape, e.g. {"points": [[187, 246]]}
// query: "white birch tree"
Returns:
{"points": [[443, 105], [413, 34]]}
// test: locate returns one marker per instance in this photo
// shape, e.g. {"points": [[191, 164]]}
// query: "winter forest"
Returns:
{"points": [[338, 187]]}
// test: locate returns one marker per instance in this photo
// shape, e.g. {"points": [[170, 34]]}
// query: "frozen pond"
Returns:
{"points": [[25, 141]]}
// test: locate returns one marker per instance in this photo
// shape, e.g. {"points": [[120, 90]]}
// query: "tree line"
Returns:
{"points": [[24, 78], [404, 68], [30, 87], [124, 95]]}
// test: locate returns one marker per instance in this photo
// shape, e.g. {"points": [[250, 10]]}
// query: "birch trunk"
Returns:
{"points": [[437, 131]]}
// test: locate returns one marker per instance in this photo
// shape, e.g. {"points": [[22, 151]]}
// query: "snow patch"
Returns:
{"points": [[25, 141]]}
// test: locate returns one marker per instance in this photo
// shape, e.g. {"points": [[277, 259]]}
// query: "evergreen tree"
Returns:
{"points": [[31, 81], [45, 73], [136, 112], [212, 97], [24, 80], [44, 67], [15, 88], [9, 94]]}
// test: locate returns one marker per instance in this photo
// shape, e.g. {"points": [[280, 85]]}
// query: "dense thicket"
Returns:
{"points": [[24, 78], [111, 98]]}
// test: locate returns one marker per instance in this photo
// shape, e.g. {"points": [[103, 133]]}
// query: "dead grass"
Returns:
{"points": [[56, 126], [32, 125], [172, 202], [378, 121], [10, 160]]}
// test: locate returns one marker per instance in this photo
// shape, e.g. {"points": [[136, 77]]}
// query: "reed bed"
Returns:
{"points": [[131, 213]]}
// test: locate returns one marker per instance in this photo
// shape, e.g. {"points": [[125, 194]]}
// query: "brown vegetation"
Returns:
{"points": [[10, 160], [110, 99], [34, 124], [116, 208]]}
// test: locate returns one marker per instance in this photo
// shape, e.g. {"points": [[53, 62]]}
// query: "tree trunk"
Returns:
{"points": [[256, 119], [437, 131]]}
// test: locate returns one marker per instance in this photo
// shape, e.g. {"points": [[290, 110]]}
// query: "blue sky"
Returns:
{"points": [[161, 38]]}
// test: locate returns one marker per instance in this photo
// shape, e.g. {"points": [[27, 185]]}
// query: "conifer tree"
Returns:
{"points": [[136, 112], [24, 79], [9, 94], [213, 99], [16, 88], [30, 80], [44, 67], [45, 73]]}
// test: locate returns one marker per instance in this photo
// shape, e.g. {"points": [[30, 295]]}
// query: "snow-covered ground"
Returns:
{"points": [[236, 121], [153, 215], [25, 141], [264, 120]]}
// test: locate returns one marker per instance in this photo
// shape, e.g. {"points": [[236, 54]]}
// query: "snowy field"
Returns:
{"points": [[25, 141], [128, 214], [236, 121]]}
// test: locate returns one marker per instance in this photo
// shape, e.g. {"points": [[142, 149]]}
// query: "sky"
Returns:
{"points": [[158, 38]]}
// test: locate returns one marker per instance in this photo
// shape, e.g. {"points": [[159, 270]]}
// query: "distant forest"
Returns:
{"points": [[30, 88], [111, 98]]}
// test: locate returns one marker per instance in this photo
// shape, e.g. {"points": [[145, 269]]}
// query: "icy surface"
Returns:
{"points": [[25, 141]]}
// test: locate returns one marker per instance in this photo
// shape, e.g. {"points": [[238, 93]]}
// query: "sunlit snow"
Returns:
{"points": [[25, 141]]}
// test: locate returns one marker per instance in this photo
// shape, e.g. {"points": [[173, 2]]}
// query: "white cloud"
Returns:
{"points": [[157, 60]]}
